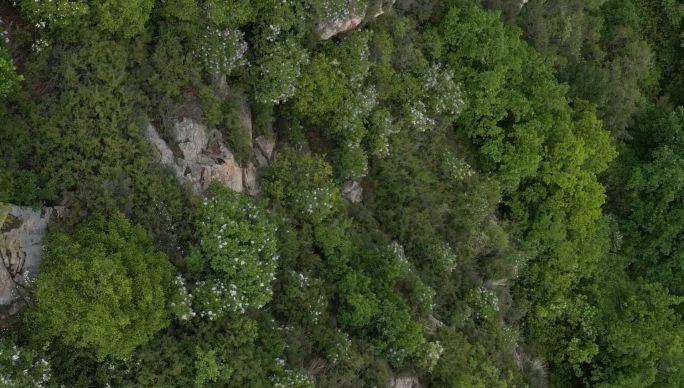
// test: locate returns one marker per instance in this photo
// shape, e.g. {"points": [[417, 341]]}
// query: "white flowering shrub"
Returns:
{"points": [[56, 13], [419, 119], [443, 256], [292, 379], [455, 168], [180, 302], [222, 50], [22, 367], [484, 302], [304, 185], [338, 352], [236, 253], [381, 127], [303, 298], [433, 352], [444, 95], [126, 18], [277, 70]]}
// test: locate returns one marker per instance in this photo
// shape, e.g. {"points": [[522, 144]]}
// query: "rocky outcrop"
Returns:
{"points": [[22, 231], [352, 17], [249, 179], [202, 158], [334, 27], [264, 148], [404, 382], [352, 191], [380, 7]]}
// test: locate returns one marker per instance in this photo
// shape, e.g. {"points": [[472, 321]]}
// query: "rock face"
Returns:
{"points": [[352, 191], [264, 148], [249, 179], [352, 18], [404, 382], [203, 158], [246, 117], [22, 231], [338, 26]]}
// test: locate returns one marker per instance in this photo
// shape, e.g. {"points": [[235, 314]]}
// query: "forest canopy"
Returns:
{"points": [[333, 193]]}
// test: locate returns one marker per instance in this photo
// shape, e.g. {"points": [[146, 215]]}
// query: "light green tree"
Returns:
{"points": [[103, 287]]}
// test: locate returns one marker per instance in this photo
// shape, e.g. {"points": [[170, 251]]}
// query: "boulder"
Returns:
{"points": [[22, 231], [352, 191]]}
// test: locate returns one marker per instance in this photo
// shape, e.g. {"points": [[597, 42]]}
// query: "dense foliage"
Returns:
{"points": [[522, 173], [103, 287]]}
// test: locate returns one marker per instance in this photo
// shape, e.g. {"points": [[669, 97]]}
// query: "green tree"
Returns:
{"points": [[104, 287], [9, 79], [464, 364], [648, 187]]}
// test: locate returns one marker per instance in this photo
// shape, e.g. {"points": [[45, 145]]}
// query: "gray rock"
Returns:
{"points": [[352, 191], [404, 382], [246, 118], [221, 167], [263, 150], [328, 29], [192, 139], [261, 160], [22, 231], [352, 18], [380, 7], [203, 158], [164, 153], [249, 179]]}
